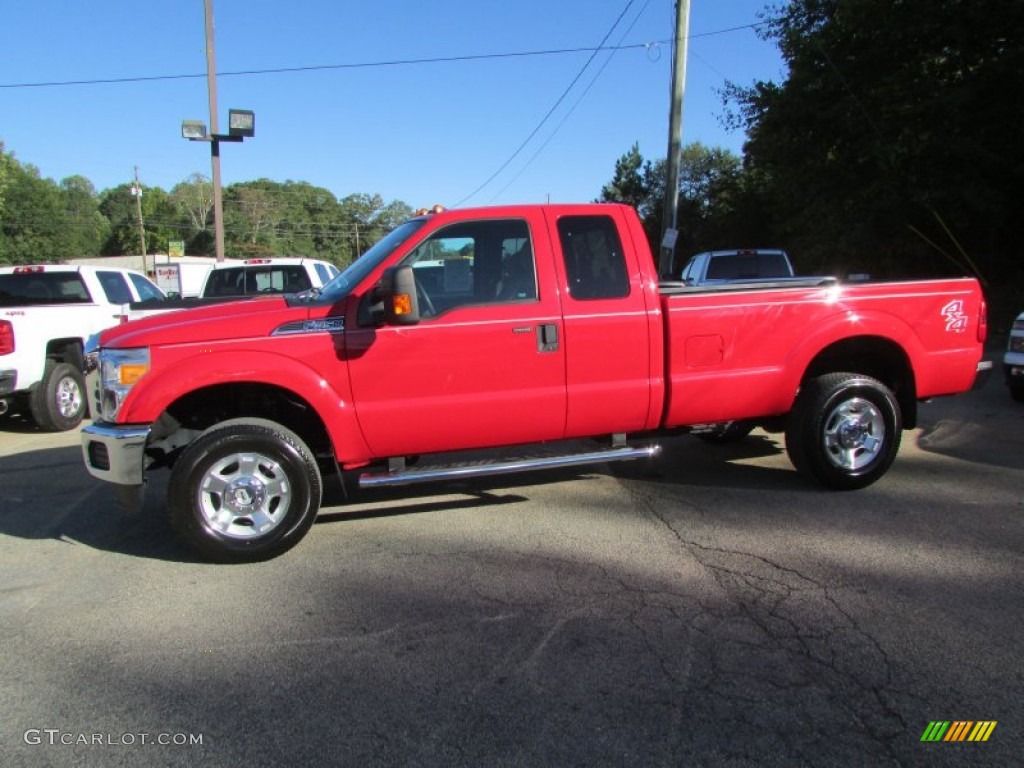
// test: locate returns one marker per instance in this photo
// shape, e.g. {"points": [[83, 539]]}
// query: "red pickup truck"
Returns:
{"points": [[517, 325]]}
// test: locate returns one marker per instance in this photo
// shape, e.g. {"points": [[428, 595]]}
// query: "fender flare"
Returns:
{"points": [[845, 326], [335, 408]]}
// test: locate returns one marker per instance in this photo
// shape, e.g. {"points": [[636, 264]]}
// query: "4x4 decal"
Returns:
{"points": [[956, 319]]}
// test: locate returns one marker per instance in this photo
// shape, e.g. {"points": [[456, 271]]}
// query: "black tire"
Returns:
{"points": [[1017, 391], [844, 430], [59, 403], [727, 433], [274, 481]]}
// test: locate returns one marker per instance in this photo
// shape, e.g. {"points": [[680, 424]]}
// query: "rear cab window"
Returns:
{"points": [[25, 289], [254, 280], [743, 265], [595, 261]]}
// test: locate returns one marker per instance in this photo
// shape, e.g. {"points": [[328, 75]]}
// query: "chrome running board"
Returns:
{"points": [[466, 470]]}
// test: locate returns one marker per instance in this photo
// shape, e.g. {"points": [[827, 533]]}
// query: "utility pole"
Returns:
{"points": [[211, 83], [675, 136], [137, 192]]}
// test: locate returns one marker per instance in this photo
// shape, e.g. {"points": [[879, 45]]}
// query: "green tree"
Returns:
{"points": [[894, 141], [298, 218], [712, 199], [41, 221], [365, 219], [6, 161], [255, 215], [161, 220], [641, 184], [260, 214], [35, 227], [88, 228], [194, 201], [633, 183], [117, 204]]}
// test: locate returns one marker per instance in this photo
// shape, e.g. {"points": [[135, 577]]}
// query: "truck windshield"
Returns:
{"points": [[341, 285]]}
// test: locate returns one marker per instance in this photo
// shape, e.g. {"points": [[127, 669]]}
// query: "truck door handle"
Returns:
{"points": [[547, 337]]}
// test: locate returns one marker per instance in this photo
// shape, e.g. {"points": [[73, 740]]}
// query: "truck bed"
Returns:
{"points": [[740, 352]]}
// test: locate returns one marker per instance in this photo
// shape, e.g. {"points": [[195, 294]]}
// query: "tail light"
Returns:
{"points": [[6, 337], [982, 321]]}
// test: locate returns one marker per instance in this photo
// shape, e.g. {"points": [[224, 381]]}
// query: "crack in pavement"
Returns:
{"points": [[783, 641]]}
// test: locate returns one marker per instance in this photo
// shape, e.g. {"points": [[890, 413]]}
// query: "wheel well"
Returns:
{"points": [[873, 356], [65, 351], [205, 407]]}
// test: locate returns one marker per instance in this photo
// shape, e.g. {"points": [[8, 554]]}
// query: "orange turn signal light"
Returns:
{"points": [[401, 304], [129, 374]]}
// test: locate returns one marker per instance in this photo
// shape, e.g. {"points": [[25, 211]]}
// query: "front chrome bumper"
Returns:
{"points": [[115, 453]]}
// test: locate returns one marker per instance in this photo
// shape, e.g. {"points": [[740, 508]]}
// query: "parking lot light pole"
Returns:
{"points": [[241, 125]]}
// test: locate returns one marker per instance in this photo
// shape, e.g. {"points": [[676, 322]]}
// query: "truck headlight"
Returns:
{"points": [[119, 370]]}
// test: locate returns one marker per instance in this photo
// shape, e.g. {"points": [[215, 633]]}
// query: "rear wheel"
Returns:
{"points": [[1017, 390], [58, 403], [244, 490], [844, 430]]}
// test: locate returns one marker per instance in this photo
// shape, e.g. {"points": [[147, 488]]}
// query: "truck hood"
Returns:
{"points": [[233, 320]]}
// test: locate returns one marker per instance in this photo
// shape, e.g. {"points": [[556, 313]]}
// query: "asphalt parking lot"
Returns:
{"points": [[719, 611]]}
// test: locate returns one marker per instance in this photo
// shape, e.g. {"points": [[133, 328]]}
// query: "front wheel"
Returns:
{"points": [[244, 490], [844, 430]]}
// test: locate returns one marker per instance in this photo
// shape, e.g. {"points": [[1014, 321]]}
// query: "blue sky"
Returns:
{"points": [[423, 133]]}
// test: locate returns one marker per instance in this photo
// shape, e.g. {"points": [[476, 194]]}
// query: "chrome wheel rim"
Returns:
{"points": [[854, 434], [69, 397], [244, 495]]}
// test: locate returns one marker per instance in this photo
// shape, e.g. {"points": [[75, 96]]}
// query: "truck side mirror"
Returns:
{"points": [[397, 293]]}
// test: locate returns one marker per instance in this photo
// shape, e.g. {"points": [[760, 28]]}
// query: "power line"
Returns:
{"points": [[572, 109], [368, 64], [553, 107], [323, 67]]}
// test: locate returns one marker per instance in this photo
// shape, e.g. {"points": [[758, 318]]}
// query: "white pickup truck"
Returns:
{"points": [[46, 314], [254, 277], [234, 280]]}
